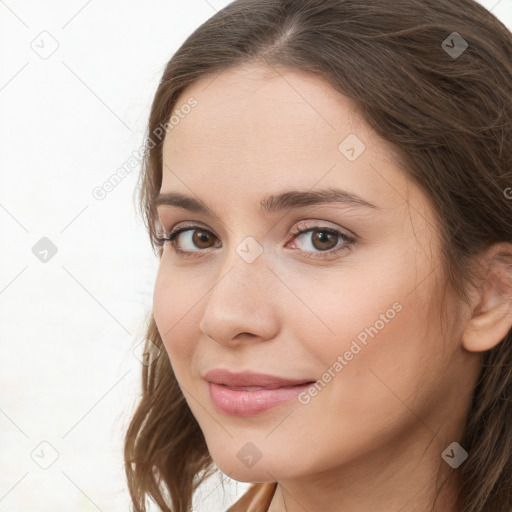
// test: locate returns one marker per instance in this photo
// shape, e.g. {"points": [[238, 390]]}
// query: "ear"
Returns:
{"points": [[491, 319]]}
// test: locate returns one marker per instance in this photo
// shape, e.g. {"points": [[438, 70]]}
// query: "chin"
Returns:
{"points": [[257, 474], [264, 469]]}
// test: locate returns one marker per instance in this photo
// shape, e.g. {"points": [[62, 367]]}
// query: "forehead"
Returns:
{"points": [[251, 106], [263, 130]]}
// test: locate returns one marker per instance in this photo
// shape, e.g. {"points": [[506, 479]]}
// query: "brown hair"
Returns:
{"points": [[449, 115]]}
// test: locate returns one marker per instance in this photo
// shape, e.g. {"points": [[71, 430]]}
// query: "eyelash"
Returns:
{"points": [[299, 230]]}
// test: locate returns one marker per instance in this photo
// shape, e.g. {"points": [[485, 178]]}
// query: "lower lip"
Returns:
{"points": [[248, 403]]}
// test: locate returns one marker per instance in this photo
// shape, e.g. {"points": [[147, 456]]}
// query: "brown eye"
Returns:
{"points": [[324, 240], [319, 241], [201, 239], [191, 239]]}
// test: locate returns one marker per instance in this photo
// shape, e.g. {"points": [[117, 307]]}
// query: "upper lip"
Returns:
{"points": [[248, 378]]}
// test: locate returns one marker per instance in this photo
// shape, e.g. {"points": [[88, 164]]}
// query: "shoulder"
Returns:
{"points": [[256, 499]]}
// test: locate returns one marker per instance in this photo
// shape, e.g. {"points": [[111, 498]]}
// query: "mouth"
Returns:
{"points": [[248, 379], [247, 394]]}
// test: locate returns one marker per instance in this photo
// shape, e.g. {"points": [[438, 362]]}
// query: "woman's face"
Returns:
{"points": [[360, 317]]}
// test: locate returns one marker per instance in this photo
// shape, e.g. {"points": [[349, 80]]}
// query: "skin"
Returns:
{"points": [[372, 438]]}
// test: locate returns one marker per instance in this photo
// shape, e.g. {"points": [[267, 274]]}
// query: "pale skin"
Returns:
{"points": [[372, 439]]}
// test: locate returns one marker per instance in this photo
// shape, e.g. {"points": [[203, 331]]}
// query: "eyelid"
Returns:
{"points": [[182, 225], [299, 224]]}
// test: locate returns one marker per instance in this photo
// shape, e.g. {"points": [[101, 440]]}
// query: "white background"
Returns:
{"points": [[69, 377]]}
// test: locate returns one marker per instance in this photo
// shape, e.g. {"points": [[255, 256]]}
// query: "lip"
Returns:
{"points": [[248, 378], [247, 393]]}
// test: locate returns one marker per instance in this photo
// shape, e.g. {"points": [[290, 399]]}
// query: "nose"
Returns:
{"points": [[242, 305]]}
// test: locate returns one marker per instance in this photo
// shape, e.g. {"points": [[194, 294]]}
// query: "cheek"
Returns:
{"points": [[371, 337], [175, 306], [340, 309], [385, 354]]}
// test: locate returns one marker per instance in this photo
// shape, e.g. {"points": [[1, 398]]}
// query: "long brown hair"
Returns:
{"points": [[448, 110]]}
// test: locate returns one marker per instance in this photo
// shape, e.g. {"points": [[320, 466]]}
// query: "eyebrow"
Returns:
{"points": [[271, 203]]}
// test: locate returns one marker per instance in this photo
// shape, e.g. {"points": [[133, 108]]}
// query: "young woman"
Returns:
{"points": [[328, 186]]}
